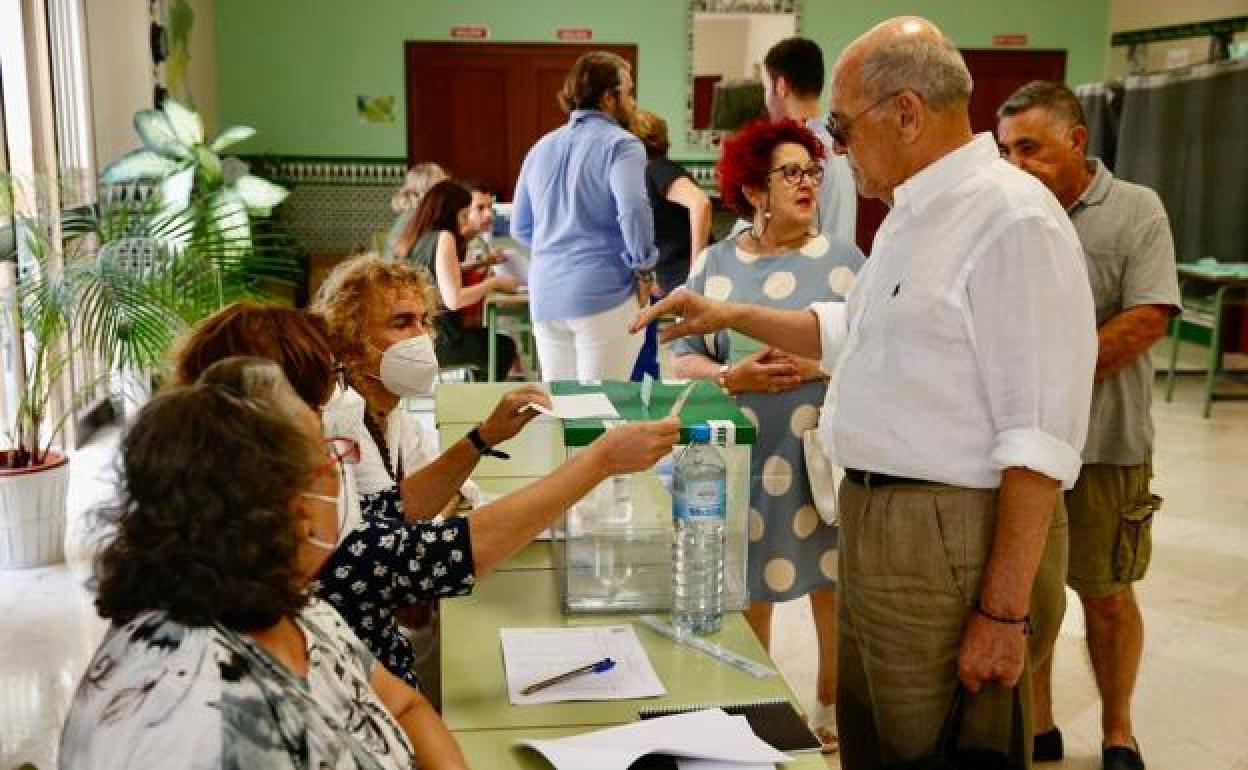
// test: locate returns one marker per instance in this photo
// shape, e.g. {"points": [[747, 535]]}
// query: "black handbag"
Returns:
{"points": [[949, 757]]}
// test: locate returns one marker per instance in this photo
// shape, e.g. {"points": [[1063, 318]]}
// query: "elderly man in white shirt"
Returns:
{"points": [[963, 365]]}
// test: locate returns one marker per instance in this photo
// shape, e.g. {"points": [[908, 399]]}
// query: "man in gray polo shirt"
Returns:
{"points": [[1130, 257]]}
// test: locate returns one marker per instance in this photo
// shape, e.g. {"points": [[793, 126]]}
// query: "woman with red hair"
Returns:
{"points": [[770, 175]]}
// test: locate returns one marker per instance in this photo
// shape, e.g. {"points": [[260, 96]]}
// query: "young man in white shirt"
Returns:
{"points": [[966, 352], [792, 84]]}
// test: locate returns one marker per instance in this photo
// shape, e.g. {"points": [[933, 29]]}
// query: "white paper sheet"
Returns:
{"points": [[578, 406], [718, 764], [706, 735], [533, 654]]}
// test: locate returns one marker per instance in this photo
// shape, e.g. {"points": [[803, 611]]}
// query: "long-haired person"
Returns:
{"points": [[436, 240], [218, 655]]}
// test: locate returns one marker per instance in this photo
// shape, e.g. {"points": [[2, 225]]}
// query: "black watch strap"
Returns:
{"points": [[484, 449]]}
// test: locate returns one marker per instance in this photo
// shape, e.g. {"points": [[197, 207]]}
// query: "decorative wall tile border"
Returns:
{"points": [[319, 170]]}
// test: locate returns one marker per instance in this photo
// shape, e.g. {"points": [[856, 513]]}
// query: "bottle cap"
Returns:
{"points": [[700, 432]]}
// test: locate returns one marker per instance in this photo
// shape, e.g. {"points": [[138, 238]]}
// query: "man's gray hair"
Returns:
{"points": [[1060, 102], [932, 68]]}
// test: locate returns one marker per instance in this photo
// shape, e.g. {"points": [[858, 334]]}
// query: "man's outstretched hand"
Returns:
{"points": [[696, 314]]}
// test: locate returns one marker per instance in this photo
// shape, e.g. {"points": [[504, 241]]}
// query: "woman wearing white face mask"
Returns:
{"points": [[377, 313], [383, 562], [217, 657]]}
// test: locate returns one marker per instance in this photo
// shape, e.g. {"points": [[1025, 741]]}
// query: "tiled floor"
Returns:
{"points": [[1191, 706]]}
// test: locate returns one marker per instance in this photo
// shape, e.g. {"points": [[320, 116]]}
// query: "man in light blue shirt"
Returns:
{"points": [[581, 208]]}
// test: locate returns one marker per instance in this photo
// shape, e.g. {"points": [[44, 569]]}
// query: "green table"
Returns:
{"points": [[535, 555], [538, 449], [497, 748], [1229, 285], [516, 305], [474, 688]]}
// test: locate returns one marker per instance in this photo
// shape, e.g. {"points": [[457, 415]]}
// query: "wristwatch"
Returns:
{"points": [[484, 449]]}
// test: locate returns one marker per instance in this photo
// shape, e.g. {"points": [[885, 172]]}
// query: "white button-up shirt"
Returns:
{"points": [[968, 344]]}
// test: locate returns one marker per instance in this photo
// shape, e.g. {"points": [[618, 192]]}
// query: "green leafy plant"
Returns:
{"points": [[129, 275], [193, 172]]}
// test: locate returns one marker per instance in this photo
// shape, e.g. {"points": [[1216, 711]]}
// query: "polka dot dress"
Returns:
{"points": [[791, 550]]}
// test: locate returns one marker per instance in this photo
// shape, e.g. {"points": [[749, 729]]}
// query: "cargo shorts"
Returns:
{"points": [[1111, 515]]}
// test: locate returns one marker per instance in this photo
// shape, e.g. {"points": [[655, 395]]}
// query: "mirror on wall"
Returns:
{"points": [[728, 41]]}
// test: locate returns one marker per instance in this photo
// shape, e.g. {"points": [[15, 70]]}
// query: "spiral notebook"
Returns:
{"points": [[775, 721]]}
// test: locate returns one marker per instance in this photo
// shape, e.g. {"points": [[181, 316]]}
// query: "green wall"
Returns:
{"points": [[292, 68]]}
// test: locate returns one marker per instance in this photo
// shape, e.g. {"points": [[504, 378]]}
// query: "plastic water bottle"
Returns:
{"points": [[699, 508]]}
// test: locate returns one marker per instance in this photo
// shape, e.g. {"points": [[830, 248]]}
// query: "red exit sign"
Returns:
{"points": [[470, 32], [574, 34], [1014, 40]]}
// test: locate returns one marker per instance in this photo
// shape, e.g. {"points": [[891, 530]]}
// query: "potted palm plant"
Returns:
{"points": [[124, 280]]}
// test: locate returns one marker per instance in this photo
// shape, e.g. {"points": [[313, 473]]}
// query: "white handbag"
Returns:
{"points": [[823, 475]]}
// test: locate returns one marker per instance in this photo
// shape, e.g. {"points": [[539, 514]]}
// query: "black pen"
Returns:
{"points": [[597, 667]]}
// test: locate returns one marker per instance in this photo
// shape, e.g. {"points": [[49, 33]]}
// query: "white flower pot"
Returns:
{"points": [[32, 513]]}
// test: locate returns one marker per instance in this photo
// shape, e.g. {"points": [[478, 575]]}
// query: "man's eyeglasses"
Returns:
{"points": [[792, 173], [838, 129]]}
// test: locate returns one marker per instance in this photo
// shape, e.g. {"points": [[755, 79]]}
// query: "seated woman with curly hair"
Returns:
{"points": [[217, 656]]}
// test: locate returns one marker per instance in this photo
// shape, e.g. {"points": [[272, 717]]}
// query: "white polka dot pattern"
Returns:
{"points": [[777, 475], [816, 247], [805, 521], [779, 285], [779, 574], [804, 418], [841, 280], [828, 563], [747, 257], [750, 415], [718, 287]]}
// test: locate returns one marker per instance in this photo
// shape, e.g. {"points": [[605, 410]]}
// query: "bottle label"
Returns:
{"points": [[702, 498]]}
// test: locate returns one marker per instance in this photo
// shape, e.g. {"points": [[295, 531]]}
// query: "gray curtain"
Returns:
{"points": [[1185, 135], [1102, 107]]}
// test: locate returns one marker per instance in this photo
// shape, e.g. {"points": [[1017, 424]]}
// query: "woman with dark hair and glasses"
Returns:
{"points": [[770, 174], [437, 240], [218, 657]]}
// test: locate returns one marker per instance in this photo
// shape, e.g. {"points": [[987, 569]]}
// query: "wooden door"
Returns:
{"points": [[996, 74], [477, 108]]}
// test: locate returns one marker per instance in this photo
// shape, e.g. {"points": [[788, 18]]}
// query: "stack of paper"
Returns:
{"points": [[533, 654], [701, 740]]}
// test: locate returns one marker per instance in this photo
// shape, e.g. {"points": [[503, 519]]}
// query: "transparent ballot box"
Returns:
{"points": [[613, 549]]}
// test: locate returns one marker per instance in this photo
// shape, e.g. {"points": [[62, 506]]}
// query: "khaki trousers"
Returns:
{"points": [[910, 566]]}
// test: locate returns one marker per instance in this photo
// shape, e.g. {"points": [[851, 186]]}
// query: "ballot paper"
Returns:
{"points": [[717, 764], [533, 654], [578, 406], [709, 736]]}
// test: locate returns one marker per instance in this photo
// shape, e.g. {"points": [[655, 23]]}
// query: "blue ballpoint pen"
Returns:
{"points": [[597, 667]]}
